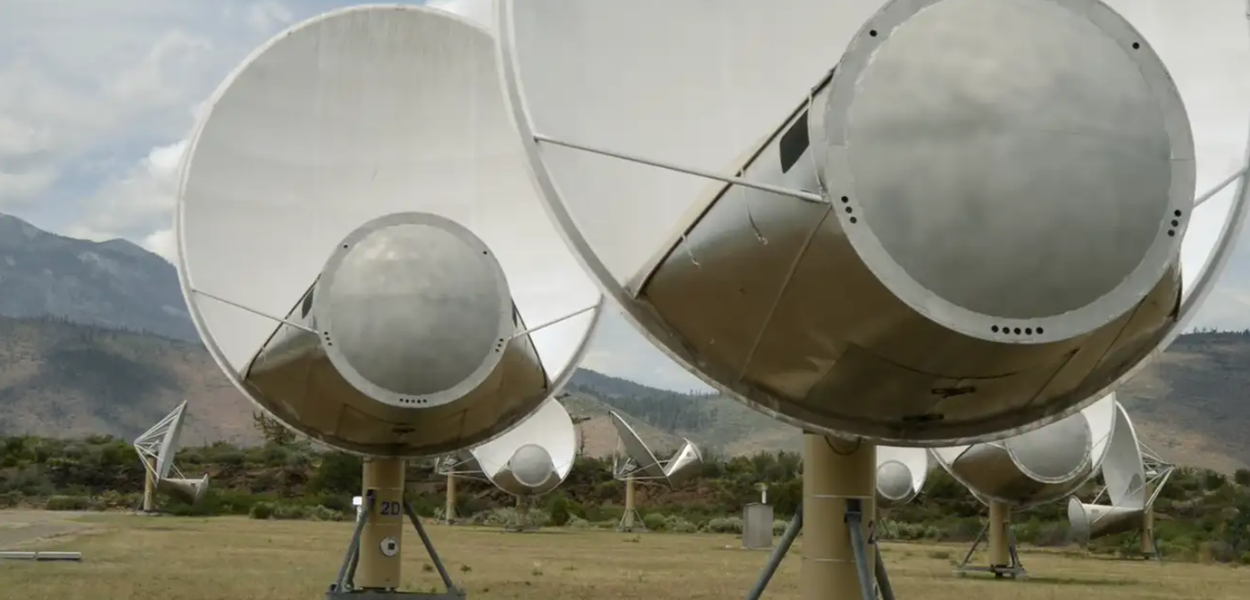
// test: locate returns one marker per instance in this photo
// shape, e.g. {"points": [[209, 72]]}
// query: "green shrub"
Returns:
{"points": [[10, 499], [655, 522], [725, 525], [680, 525], [558, 507], [779, 526], [67, 503], [291, 512], [578, 523], [261, 510]]}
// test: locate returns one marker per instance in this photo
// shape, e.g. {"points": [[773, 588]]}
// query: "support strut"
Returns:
{"points": [[371, 566], [1004, 560], [787, 539]]}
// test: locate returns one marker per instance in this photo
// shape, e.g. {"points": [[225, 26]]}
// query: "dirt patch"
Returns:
{"points": [[21, 527]]}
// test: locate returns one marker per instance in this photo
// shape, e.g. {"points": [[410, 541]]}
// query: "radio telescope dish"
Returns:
{"points": [[461, 463], [634, 461], [364, 255], [901, 473], [639, 462], [1133, 479], [361, 247], [1040, 466], [534, 457], [816, 214], [156, 448]]}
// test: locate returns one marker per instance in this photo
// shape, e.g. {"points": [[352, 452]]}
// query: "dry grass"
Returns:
{"points": [[136, 558]]}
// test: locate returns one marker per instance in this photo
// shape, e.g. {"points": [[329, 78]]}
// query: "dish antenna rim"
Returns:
{"points": [[553, 201], [187, 273]]}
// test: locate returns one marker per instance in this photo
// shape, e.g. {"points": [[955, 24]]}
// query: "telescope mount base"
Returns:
{"points": [[344, 587], [635, 524], [1154, 554], [872, 586], [518, 522], [1012, 570]]}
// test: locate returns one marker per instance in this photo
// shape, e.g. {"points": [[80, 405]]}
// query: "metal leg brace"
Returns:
{"points": [[343, 587], [1155, 555], [1015, 570], [854, 516], [638, 525]]}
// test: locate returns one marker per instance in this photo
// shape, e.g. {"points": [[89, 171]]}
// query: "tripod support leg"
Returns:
{"points": [[883, 578], [343, 582], [975, 544], [779, 553], [429, 548], [859, 545], [344, 586], [854, 516]]}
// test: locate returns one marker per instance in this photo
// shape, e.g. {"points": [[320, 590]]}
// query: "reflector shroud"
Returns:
{"points": [[1048, 464], [817, 342], [356, 115], [534, 457]]}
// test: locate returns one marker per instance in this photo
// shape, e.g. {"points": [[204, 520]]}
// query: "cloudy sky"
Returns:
{"points": [[97, 98]]}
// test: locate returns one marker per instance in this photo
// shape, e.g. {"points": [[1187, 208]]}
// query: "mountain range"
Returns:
{"points": [[95, 338]]}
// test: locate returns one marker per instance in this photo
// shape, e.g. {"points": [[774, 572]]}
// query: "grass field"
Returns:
{"points": [[144, 558]]}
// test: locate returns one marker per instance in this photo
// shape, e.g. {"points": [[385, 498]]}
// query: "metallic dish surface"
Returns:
{"points": [[534, 457], [684, 464], [361, 247], [1041, 468], [1124, 473], [901, 473], [1074, 114], [647, 465], [157, 447], [785, 303]]}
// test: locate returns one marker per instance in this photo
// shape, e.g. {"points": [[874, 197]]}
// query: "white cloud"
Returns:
{"points": [[139, 204], [21, 185], [266, 16]]}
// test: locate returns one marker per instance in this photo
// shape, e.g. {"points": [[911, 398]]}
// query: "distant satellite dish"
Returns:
{"points": [[461, 463], [1040, 466], [809, 220], [901, 473], [633, 461], [156, 448], [1130, 492], [638, 462], [361, 247], [534, 457]]}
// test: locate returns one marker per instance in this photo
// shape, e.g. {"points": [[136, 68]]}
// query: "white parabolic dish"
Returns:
{"points": [[534, 457], [803, 292], [901, 473], [1038, 467], [382, 127]]}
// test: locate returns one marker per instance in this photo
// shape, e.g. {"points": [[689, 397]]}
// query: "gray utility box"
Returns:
{"points": [[757, 526]]}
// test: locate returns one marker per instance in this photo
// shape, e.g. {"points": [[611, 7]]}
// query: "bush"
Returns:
{"points": [[559, 509], [779, 526], [509, 517], [655, 522], [725, 525], [67, 503], [10, 499], [261, 510], [578, 523], [680, 525], [291, 512]]}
